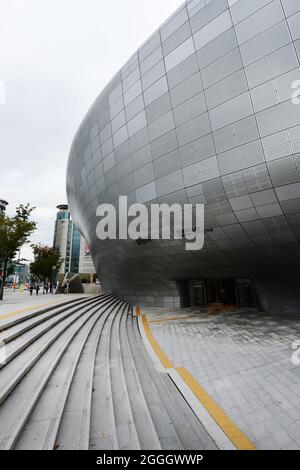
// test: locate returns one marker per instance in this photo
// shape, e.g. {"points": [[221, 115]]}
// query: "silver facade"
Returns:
{"points": [[202, 112]]}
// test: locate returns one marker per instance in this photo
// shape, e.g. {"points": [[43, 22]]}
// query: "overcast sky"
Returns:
{"points": [[55, 58]]}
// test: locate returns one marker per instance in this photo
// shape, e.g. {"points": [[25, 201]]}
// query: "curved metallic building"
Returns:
{"points": [[201, 113]]}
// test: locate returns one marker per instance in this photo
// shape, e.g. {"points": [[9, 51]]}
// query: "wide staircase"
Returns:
{"points": [[77, 376]]}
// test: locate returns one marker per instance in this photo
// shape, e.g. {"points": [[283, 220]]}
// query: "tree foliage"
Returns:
{"points": [[14, 233], [44, 259]]}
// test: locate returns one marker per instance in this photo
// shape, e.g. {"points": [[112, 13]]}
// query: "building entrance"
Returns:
{"points": [[234, 292]]}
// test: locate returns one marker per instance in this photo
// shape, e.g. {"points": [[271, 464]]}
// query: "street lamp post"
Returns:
{"points": [[53, 277], [3, 205]]}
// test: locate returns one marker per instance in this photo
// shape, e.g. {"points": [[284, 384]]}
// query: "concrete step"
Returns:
{"points": [[8, 323], [153, 390], [125, 426], [25, 324], [145, 428], [103, 433], [26, 395], [79, 377], [191, 431], [75, 424], [15, 370], [188, 429], [28, 335], [53, 401]]}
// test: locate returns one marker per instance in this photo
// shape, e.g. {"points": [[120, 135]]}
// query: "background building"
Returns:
{"points": [[18, 273], [201, 113], [86, 265], [3, 205], [63, 236], [71, 245]]}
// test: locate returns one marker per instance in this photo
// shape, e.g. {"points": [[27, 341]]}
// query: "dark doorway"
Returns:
{"points": [[197, 293], [213, 292], [221, 291], [230, 292], [244, 293]]}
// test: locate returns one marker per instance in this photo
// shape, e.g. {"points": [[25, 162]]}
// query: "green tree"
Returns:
{"points": [[44, 259], [14, 233]]}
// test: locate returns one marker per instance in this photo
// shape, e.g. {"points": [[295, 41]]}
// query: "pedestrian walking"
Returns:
{"points": [[37, 288], [31, 289]]}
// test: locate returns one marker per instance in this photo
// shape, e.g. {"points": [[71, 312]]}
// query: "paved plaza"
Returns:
{"points": [[243, 359]]}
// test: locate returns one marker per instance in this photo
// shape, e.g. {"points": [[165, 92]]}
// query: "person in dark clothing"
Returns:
{"points": [[37, 288], [31, 289]]}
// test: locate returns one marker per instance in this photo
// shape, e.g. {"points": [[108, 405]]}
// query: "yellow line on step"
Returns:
{"points": [[158, 351], [170, 319], [24, 310], [236, 436]]}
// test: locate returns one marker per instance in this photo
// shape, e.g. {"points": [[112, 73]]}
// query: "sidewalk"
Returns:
{"points": [[17, 303]]}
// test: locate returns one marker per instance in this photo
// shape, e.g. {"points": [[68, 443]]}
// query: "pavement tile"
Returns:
{"points": [[243, 360]]}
